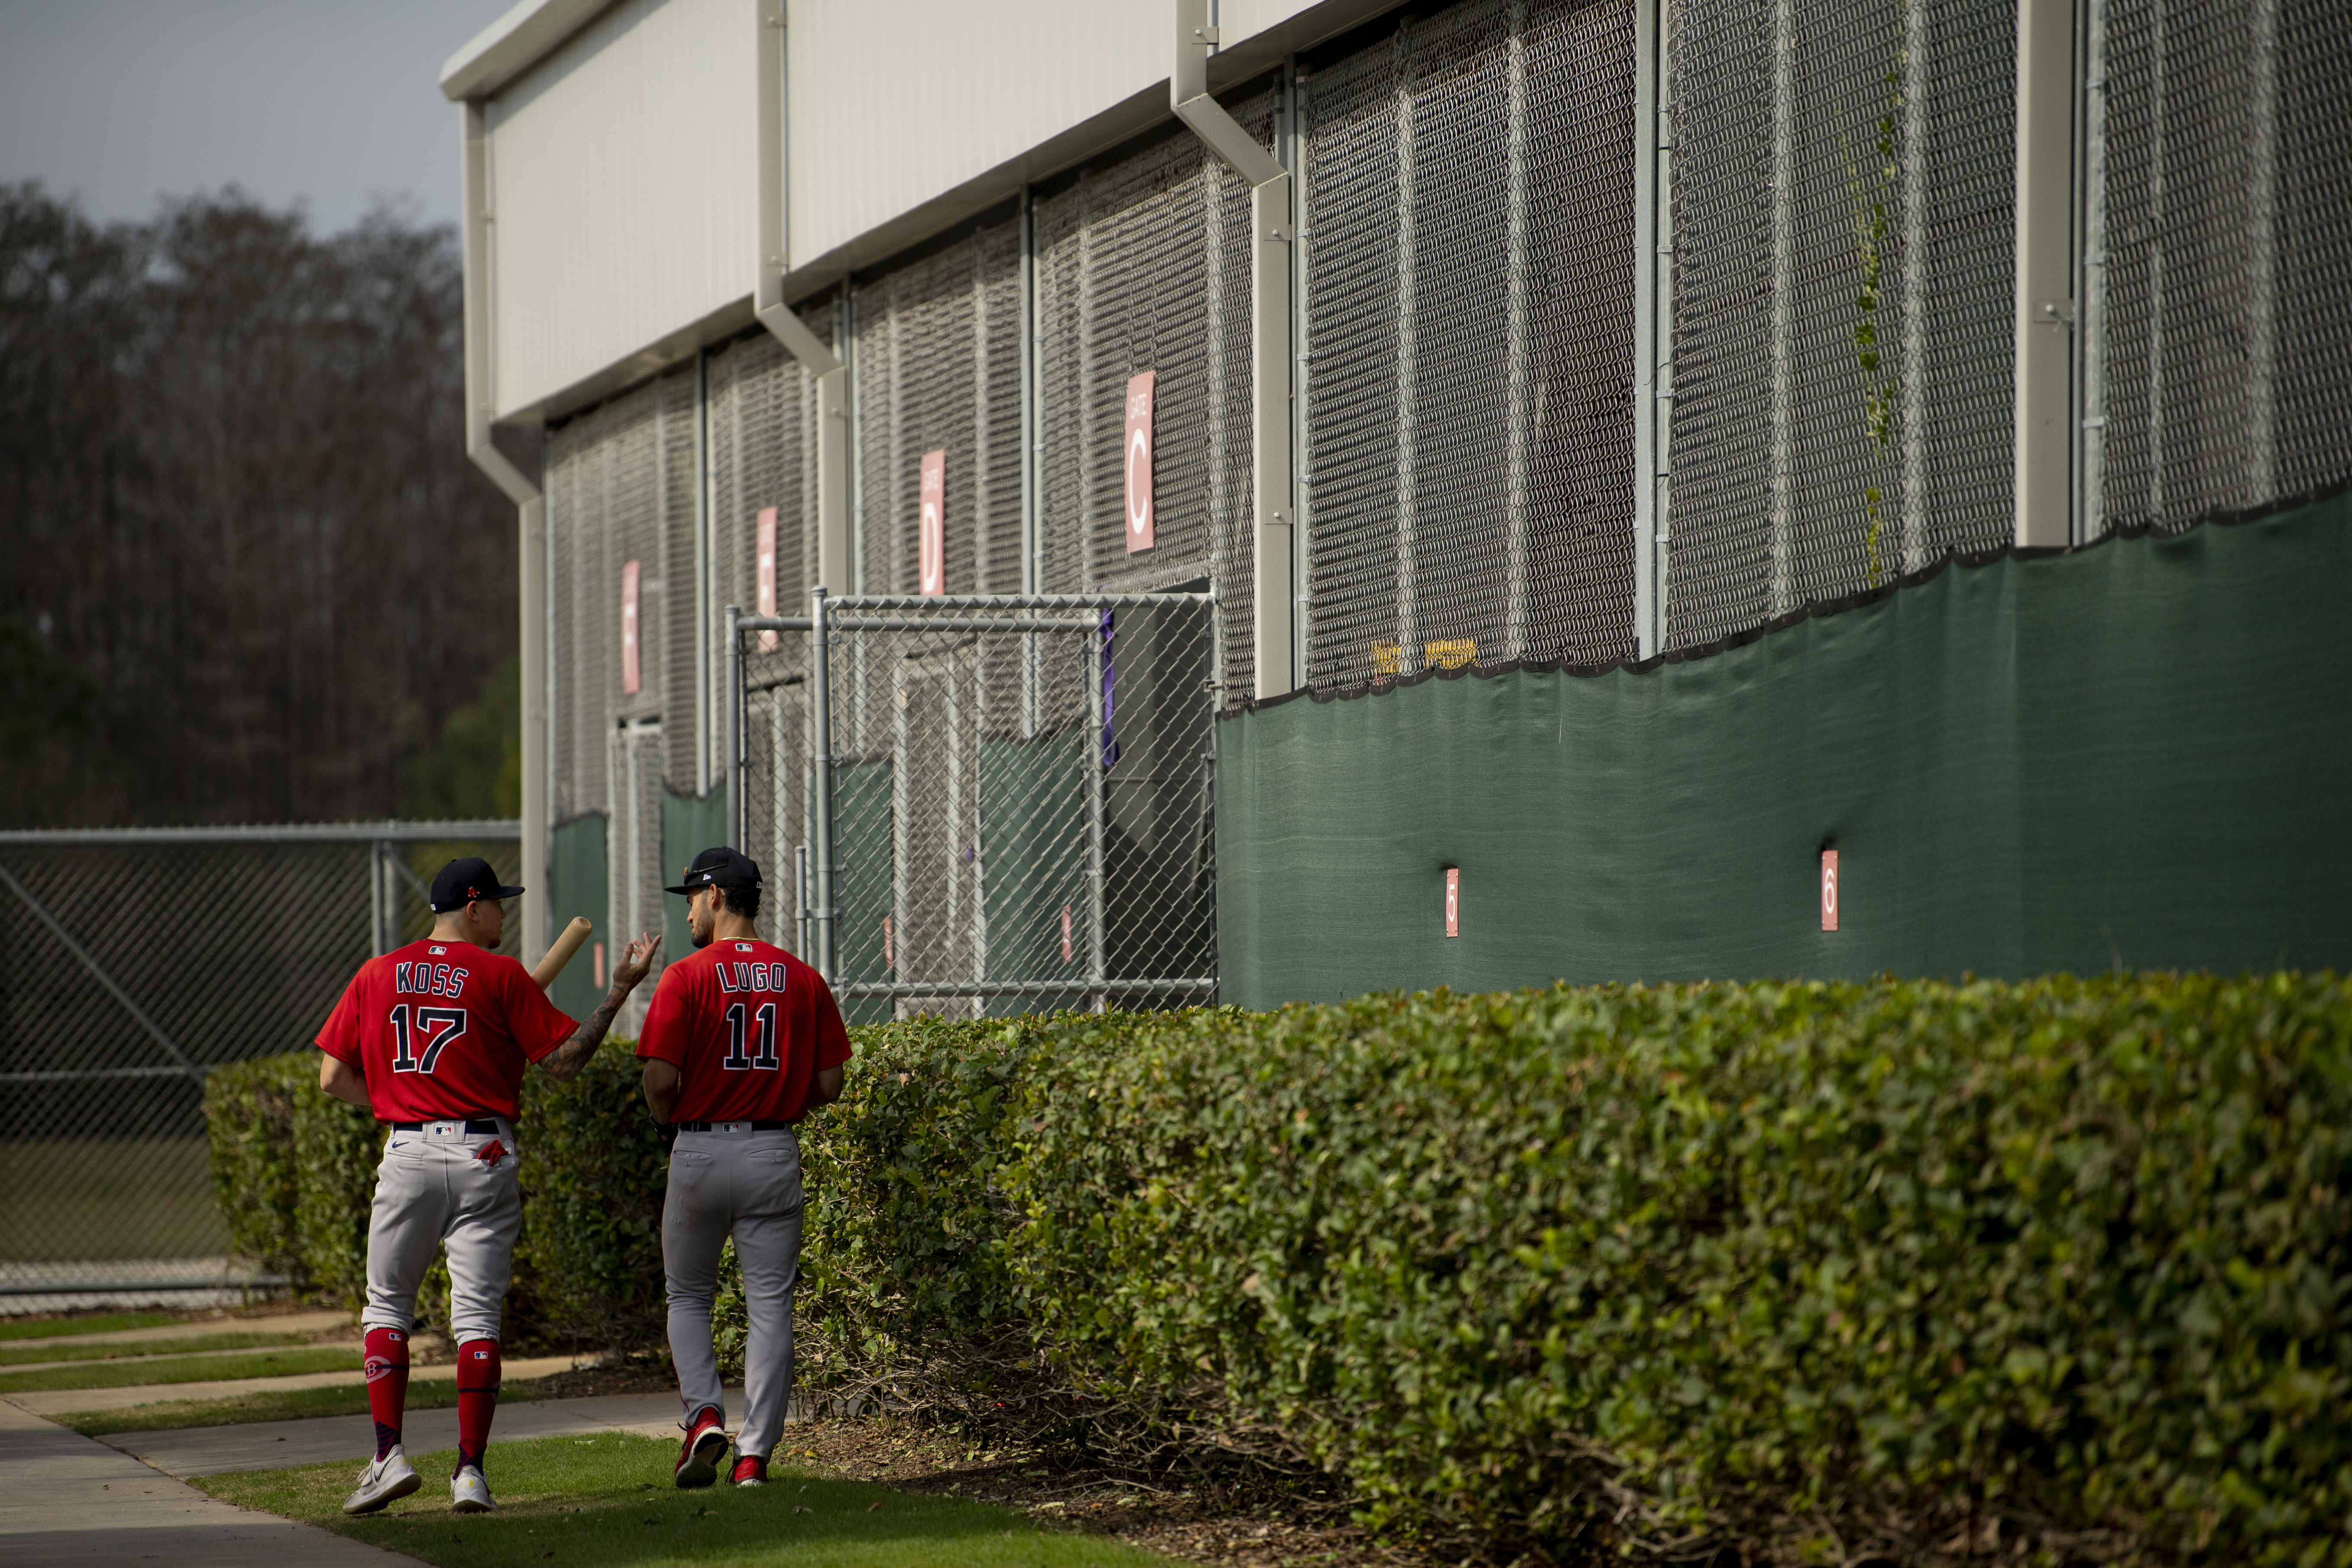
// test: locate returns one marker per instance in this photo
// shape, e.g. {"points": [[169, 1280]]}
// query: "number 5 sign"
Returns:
{"points": [[933, 543], [1138, 460]]}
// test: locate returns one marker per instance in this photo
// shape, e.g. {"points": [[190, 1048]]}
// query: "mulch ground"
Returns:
{"points": [[1204, 1522]]}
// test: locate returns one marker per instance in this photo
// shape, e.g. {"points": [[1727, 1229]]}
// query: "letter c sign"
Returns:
{"points": [[1139, 521]]}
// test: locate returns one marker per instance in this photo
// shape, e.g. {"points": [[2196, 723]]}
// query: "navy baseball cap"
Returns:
{"points": [[460, 882], [720, 867]]}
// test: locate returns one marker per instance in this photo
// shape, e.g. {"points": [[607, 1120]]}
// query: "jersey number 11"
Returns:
{"points": [[764, 1049]]}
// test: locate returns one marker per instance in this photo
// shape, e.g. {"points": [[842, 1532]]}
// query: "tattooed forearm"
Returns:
{"points": [[565, 1062]]}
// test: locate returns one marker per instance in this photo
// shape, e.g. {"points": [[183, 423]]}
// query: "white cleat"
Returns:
{"points": [[469, 1493], [388, 1478]]}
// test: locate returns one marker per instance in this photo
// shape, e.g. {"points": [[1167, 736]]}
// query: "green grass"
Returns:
{"points": [[109, 1198], [272, 1405], [183, 1369], [19, 1356], [607, 1501], [101, 1323]]}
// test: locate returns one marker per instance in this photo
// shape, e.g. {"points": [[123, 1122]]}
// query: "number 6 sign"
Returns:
{"points": [[1138, 460], [1829, 890]]}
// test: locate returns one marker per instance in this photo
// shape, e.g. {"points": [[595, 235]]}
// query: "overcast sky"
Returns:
{"points": [[327, 102]]}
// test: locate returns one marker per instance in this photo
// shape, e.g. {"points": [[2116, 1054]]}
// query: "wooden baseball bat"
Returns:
{"points": [[561, 954]]}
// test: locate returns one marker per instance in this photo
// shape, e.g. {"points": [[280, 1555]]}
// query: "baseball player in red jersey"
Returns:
{"points": [[434, 1038], [741, 1041]]}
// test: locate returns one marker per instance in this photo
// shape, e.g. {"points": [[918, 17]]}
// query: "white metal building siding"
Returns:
{"points": [[622, 171]]}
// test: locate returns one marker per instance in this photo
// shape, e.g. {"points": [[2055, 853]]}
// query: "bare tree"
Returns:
{"points": [[236, 504]]}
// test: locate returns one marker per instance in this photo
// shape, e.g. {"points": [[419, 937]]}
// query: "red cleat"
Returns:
{"points": [[706, 1445], [750, 1471]]}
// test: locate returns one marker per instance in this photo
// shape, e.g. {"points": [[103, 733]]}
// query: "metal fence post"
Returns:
{"points": [[738, 780], [375, 897], [821, 796], [1096, 960]]}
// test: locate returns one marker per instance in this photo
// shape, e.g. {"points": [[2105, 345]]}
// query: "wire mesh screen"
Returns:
{"points": [[938, 369], [603, 510], [1841, 234], [762, 443], [1470, 270], [681, 666], [129, 965], [2227, 334], [1144, 265]]}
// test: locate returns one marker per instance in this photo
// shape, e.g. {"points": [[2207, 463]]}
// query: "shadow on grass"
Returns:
{"points": [[606, 1501]]}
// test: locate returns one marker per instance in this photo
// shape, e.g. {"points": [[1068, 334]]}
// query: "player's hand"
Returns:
{"points": [[636, 964]]}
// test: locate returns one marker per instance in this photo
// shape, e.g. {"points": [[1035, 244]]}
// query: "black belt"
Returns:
{"points": [[706, 1126], [479, 1127]]}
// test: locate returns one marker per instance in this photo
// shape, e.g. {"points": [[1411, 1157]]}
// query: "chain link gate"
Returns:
{"points": [[987, 804], [132, 962]]}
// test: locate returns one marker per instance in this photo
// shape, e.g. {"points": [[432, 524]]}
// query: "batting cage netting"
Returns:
{"points": [[134, 961]]}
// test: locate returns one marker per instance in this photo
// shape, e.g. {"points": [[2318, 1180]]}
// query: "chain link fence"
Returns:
{"points": [[134, 961], [1017, 794]]}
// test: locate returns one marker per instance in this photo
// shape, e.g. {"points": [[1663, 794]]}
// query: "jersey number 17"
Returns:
{"points": [[763, 1048], [436, 1027]]}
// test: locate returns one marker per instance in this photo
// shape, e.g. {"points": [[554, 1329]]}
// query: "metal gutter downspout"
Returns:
{"points": [[1271, 349], [785, 324], [522, 488]]}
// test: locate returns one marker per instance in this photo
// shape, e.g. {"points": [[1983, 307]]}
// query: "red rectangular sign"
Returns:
{"points": [[1066, 934], [631, 680], [889, 943], [1139, 521], [766, 560], [933, 544], [1829, 890], [1454, 901]]}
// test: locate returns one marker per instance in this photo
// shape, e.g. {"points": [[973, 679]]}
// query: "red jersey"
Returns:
{"points": [[747, 1026], [441, 1030]]}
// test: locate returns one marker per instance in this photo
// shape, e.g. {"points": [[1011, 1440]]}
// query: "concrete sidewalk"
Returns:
{"points": [[58, 1401], [317, 1323], [277, 1445], [71, 1500]]}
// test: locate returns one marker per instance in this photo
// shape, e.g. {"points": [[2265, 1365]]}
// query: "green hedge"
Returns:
{"points": [[295, 1172], [1824, 1271]]}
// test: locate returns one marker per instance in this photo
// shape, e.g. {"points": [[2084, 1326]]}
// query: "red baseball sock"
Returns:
{"points": [[477, 1398], [385, 1362]]}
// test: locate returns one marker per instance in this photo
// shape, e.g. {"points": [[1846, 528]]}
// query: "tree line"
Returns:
{"points": [[249, 574]]}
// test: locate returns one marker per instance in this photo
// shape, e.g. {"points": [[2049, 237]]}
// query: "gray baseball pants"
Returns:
{"points": [[432, 1188], [733, 1181]]}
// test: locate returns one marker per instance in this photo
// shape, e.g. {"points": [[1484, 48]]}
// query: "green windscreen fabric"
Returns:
{"points": [[2131, 756], [577, 886], [1032, 813], [690, 825], [865, 819]]}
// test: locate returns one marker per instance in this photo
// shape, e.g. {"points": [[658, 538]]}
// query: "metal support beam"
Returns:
{"points": [[1653, 324], [782, 322], [735, 727], [1272, 350], [821, 790], [2043, 418], [538, 904]]}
